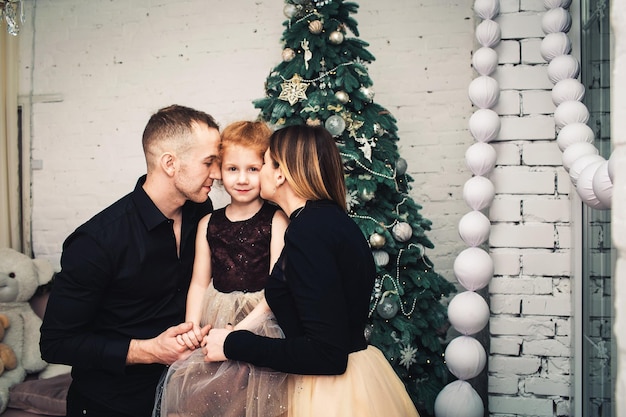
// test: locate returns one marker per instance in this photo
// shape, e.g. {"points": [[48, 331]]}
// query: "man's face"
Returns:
{"points": [[199, 166]]}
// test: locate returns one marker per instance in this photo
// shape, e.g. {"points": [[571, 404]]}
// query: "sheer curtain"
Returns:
{"points": [[10, 198]]}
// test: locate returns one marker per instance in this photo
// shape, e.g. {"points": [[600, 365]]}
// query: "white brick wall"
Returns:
{"points": [[530, 300], [111, 64]]}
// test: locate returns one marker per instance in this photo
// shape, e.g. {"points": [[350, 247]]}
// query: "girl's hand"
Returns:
{"points": [[193, 338], [213, 344]]}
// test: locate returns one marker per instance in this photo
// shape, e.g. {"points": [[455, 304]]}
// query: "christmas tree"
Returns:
{"points": [[323, 79]]}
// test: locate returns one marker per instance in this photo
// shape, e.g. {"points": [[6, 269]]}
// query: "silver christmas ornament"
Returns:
{"points": [[288, 54], [402, 231], [387, 308], [335, 125], [316, 27], [377, 240], [366, 195], [290, 10], [368, 93], [401, 166], [335, 37], [367, 332], [381, 258], [342, 96]]}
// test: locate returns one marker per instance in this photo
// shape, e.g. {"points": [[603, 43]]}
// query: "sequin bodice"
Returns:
{"points": [[240, 250]]}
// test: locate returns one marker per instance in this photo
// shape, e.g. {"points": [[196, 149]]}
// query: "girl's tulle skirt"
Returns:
{"points": [[369, 388], [193, 387]]}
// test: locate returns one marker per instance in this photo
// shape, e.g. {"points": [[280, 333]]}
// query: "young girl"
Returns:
{"points": [[236, 247]]}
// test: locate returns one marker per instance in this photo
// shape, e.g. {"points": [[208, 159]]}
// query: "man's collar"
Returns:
{"points": [[147, 210]]}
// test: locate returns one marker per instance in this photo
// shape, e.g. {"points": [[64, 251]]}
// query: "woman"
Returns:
{"points": [[319, 290]]}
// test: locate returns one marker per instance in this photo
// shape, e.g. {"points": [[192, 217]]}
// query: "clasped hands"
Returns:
{"points": [[209, 339]]}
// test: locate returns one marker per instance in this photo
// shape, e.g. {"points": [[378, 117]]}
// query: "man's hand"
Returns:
{"points": [[164, 348]]}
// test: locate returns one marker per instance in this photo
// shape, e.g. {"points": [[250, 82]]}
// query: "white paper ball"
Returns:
{"points": [[603, 185], [555, 44], [570, 111], [485, 60], [468, 312], [556, 20], [584, 186], [567, 89], [574, 133], [580, 164], [551, 4], [488, 33], [611, 167], [484, 91], [562, 67], [478, 192], [465, 357], [487, 9], [474, 228], [480, 158], [458, 399], [473, 268], [484, 125], [577, 150]]}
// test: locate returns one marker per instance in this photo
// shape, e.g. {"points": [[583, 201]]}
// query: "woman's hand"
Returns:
{"points": [[213, 344]]}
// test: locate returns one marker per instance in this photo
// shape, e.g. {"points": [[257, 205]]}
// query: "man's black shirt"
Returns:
{"points": [[121, 279]]}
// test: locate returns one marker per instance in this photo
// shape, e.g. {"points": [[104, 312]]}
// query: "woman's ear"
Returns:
{"points": [[280, 177]]}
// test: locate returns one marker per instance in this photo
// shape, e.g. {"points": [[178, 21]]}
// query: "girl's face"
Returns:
{"points": [[241, 167]]}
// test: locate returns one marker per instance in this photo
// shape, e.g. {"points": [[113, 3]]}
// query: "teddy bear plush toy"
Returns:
{"points": [[20, 276]]}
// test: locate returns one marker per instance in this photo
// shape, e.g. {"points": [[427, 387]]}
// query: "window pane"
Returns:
{"points": [[598, 344]]}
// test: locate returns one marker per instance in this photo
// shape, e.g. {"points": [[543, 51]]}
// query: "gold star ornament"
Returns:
{"points": [[293, 90]]}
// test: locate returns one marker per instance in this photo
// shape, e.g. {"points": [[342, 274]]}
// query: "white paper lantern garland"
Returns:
{"points": [[468, 311], [588, 171]]}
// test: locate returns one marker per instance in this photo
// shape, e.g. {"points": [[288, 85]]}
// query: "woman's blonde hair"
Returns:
{"points": [[310, 161], [253, 135]]}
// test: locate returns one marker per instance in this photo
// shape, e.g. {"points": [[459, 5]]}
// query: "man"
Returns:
{"points": [[115, 307]]}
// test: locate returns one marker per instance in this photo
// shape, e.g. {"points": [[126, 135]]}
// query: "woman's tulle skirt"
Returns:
{"points": [[193, 387], [369, 388]]}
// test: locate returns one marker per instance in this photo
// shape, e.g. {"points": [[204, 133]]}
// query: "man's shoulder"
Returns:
{"points": [[113, 213]]}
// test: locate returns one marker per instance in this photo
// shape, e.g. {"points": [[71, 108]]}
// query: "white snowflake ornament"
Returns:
{"points": [[408, 356]]}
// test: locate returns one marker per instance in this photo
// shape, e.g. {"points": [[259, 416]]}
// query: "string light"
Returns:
{"points": [[323, 74], [359, 163]]}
